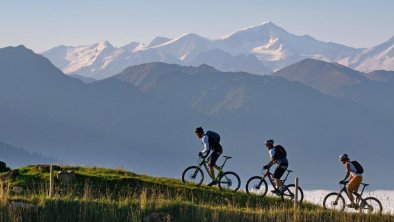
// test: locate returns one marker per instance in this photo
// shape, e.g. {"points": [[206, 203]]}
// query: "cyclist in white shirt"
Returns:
{"points": [[355, 178]]}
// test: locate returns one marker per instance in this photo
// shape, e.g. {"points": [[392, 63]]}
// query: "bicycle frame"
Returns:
{"points": [[358, 195], [204, 163], [271, 179]]}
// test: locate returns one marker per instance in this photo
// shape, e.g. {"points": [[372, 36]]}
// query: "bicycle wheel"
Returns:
{"points": [[257, 185], [334, 201], [289, 193], [371, 205], [230, 181], [193, 174]]}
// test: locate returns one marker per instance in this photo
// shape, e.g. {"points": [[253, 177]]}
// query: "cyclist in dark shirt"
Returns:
{"points": [[210, 144], [276, 158]]}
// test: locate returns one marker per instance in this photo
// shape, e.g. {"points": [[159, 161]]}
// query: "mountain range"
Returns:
{"points": [[143, 118], [261, 49], [18, 157], [374, 90]]}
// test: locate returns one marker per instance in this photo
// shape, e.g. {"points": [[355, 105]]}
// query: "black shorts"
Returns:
{"points": [[280, 170], [213, 158]]}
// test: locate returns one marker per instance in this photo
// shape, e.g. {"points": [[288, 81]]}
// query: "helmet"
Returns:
{"points": [[269, 142], [343, 156], [199, 130]]}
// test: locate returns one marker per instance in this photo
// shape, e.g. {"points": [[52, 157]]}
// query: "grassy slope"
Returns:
{"points": [[105, 194]]}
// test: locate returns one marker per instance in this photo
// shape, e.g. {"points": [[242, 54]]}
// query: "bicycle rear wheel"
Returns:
{"points": [[193, 174], [230, 181], [257, 185], [334, 201], [289, 193], [371, 205]]}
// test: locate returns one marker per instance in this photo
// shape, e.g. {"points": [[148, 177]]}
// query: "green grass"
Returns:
{"points": [[117, 195]]}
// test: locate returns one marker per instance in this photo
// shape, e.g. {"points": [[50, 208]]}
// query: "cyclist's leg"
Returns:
{"points": [[212, 163], [352, 186], [279, 171]]}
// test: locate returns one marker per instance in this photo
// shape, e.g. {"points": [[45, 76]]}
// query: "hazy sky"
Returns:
{"points": [[42, 24]]}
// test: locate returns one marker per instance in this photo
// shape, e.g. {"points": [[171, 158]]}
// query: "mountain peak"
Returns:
{"points": [[323, 76], [20, 49], [191, 36], [104, 44], [263, 26], [134, 46], [158, 41]]}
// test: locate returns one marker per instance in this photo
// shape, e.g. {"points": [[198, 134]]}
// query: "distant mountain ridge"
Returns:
{"points": [[145, 116], [374, 90], [261, 50], [18, 157]]}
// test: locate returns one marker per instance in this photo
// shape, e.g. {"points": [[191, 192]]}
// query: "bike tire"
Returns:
{"points": [[289, 193], [373, 206], [228, 179], [193, 174], [257, 185], [334, 199]]}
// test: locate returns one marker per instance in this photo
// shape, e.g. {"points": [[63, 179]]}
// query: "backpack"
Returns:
{"points": [[280, 152], [213, 135], [359, 168]]}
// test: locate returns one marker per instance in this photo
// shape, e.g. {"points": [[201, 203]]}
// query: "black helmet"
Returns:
{"points": [[199, 130], [343, 157], [269, 142]]}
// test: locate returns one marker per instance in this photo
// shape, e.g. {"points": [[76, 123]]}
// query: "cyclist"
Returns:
{"points": [[277, 156], [210, 141], [354, 180]]}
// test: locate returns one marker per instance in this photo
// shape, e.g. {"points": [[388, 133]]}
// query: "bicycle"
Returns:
{"points": [[258, 185], [226, 180], [336, 201]]}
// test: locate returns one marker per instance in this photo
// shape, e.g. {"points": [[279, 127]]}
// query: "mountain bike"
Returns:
{"points": [[226, 180], [336, 201], [258, 185]]}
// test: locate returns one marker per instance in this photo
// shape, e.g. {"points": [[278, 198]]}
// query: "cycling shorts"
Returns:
{"points": [[280, 170], [213, 158]]}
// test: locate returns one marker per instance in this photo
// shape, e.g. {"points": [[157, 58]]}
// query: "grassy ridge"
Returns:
{"points": [[117, 195]]}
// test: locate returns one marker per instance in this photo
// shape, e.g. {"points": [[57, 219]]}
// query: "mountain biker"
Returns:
{"points": [[354, 180], [276, 158], [210, 144]]}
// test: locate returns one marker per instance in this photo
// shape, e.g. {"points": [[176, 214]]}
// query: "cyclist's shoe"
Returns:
{"points": [[213, 182], [276, 192], [282, 190], [352, 205]]}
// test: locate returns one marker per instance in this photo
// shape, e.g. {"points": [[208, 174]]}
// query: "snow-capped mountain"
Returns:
{"points": [[380, 57], [278, 48], [260, 49]]}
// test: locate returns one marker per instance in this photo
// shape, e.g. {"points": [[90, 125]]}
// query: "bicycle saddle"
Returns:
{"points": [[365, 184], [227, 157], [289, 171]]}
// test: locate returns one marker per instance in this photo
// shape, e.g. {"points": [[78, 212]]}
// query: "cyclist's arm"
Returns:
{"points": [[347, 171], [205, 143], [272, 158], [271, 162]]}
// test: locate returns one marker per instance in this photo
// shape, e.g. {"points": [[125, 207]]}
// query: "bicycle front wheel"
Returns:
{"points": [[257, 185], [334, 201], [230, 181], [371, 205], [193, 175], [289, 193]]}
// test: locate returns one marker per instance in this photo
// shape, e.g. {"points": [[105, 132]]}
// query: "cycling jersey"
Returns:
{"points": [[281, 161], [353, 170], [209, 144]]}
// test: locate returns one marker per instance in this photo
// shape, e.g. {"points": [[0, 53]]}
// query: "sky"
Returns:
{"points": [[43, 24]]}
